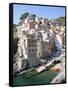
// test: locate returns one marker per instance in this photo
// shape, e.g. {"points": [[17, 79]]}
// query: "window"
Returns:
{"points": [[39, 54], [35, 49], [29, 45], [29, 50], [32, 49], [40, 22], [30, 55], [24, 40]]}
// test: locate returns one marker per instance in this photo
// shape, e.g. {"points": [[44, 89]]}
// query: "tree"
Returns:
{"points": [[23, 16], [61, 20], [33, 16]]}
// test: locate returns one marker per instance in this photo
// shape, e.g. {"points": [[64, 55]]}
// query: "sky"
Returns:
{"points": [[41, 11]]}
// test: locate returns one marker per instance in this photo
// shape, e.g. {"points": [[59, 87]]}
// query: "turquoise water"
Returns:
{"points": [[41, 78]]}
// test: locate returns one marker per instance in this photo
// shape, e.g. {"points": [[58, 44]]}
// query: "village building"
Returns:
{"points": [[34, 40]]}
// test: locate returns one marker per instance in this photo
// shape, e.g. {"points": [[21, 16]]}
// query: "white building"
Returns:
{"points": [[30, 45], [34, 51]]}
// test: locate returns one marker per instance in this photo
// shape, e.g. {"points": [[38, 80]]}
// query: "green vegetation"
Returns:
{"points": [[23, 16], [61, 20]]}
